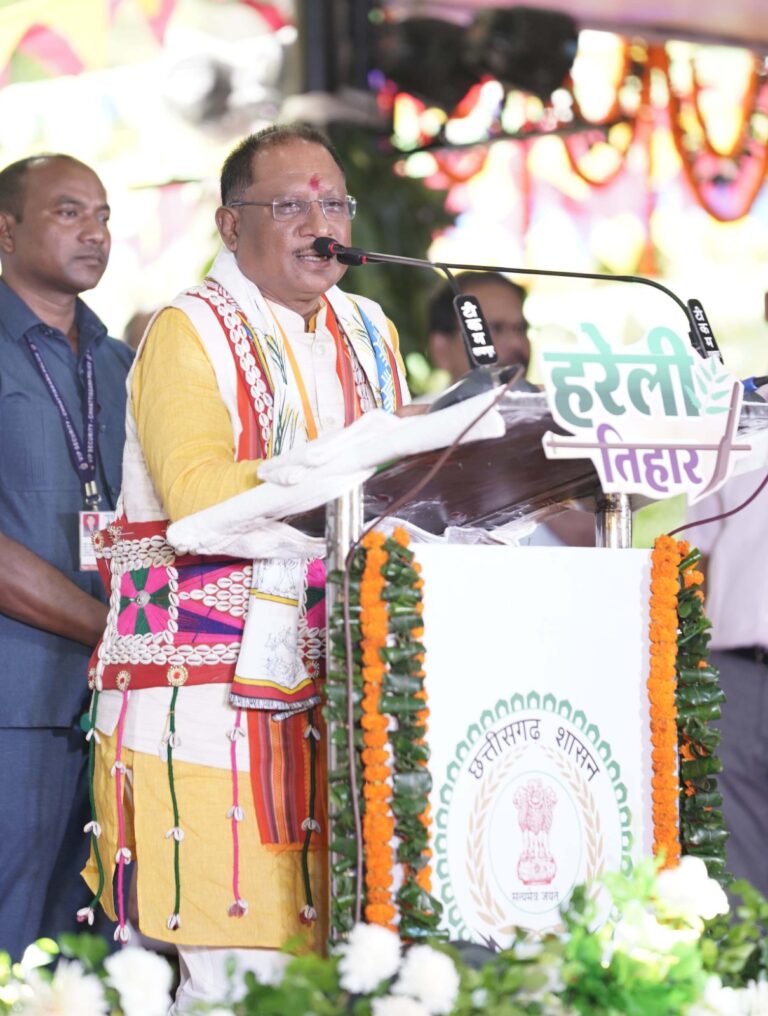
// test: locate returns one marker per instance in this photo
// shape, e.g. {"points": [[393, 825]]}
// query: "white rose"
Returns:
{"points": [[758, 997], [370, 956], [639, 934], [431, 977], [687, 891], [394, 1005], [720, 1001], [143, 981], [754, 998], [72, 992]]}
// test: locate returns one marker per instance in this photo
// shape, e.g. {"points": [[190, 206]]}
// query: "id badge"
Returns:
{"points": [[90, 522]]}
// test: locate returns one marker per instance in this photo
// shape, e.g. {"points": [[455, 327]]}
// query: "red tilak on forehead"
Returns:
{"points": [[314, 181]]}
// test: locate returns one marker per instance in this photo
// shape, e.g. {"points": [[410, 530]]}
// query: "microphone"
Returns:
{"points": [[478, 343], [751, 385], [330, 248], [700, 331]]}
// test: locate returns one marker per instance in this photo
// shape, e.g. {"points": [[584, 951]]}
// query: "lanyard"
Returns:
{"points": [[84, 459]]}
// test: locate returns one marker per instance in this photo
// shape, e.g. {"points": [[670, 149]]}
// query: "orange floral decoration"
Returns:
{"points": [[378, 820], [423, 877], [691, 577], [665, 559]]}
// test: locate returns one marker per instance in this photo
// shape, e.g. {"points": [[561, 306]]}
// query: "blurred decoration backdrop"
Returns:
{"points": [[493, 133]]}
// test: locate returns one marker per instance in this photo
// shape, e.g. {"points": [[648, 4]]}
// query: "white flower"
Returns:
{"points": [[687, 891], [11, 994], [272, 973], [218, 1011], [72, 992], [394, 1005], [142, 979], [756, 996], [640, 935], [371, 955], [35, 956], [431, 977], [718, 1001]]}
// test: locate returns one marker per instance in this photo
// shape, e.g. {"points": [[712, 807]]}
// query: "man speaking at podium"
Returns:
{"points": [[266, 354]]}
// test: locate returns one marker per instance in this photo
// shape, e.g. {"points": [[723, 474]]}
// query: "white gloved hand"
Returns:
{"points": [[379, 437], [338, 450]]}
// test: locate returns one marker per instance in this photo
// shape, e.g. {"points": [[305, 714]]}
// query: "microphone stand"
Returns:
{"points": [[700, 333]]}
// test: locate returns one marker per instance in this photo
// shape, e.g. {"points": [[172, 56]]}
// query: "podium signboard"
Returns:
{"points": [[536, 669]]}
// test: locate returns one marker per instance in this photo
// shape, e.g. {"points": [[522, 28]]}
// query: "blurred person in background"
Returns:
{"points": [[737, 605], [134, 330], [502, 304]]}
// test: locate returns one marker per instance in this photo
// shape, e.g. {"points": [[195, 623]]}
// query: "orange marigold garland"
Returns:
{"points": [[423, 876], [661, 693], [685, 695], [378, 820]]}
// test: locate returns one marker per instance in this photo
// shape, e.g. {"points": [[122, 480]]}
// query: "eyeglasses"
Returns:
{"points": [[286, 209]]}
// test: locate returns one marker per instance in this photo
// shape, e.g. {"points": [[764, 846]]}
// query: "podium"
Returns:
{"points": [[541, 762], [484, 485], [537, 658]]}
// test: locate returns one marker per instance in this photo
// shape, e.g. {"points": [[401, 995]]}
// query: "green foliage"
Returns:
{"points": [[340, 803], [699, 696], [400, 700], [310, 985], [91, 950], [601, 978], [395, 215], [737, 950]]}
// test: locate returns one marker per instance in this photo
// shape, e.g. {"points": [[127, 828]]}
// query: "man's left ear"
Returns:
{"points": [[228, 225], [7, 227]]}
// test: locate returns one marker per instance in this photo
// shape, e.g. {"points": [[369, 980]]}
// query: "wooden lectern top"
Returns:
{"points": [[483, 483]]}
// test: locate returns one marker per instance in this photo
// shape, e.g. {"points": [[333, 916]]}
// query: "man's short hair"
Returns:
{"points": [[442, 316], [13, 181], [237, 171]]}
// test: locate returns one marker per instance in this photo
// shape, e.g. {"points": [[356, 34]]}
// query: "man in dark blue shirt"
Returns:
{"points": [[62, 410]]}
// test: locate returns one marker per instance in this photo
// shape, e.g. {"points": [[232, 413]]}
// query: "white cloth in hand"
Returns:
{"points": [[378, 437], [310, 475]]}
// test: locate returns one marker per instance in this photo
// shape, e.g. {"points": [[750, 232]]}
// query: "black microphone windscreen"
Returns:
{"points": [[325, 245]]}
